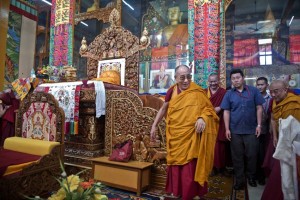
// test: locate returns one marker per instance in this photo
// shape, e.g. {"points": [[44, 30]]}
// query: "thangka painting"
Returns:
{"points": [[115, 65], [39, 122]]}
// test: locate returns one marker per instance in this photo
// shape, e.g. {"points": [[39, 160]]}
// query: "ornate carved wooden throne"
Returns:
{"points": [[39, 118], [125, 115]]}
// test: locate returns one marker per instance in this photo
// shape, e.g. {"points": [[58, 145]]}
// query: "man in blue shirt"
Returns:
{"points": [[242, 107]]}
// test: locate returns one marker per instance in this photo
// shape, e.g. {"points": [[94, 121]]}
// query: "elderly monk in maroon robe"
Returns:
{"points": [[284, 104], [215, 93], [9, 104], [191, 132]]}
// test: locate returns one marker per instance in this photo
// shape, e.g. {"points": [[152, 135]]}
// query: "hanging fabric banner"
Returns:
{"points": [[61, 33]]}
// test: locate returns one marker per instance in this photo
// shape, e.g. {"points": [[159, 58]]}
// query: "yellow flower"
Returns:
{"points": [[73, 182], [59, 195], [100, 197]]}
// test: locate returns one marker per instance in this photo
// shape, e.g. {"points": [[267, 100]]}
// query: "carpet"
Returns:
{"points": [[220, 188], [118, 194]]}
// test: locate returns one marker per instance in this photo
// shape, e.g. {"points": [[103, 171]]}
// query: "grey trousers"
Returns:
{"points": [[244, 150]]}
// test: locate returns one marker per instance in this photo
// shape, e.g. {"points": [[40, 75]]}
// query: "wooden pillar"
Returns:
{"points": [[4, 11]]}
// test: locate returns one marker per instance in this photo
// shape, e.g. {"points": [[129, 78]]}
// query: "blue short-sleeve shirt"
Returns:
{"points": [[242, 107]]}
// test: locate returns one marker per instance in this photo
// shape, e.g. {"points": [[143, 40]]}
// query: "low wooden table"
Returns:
{"points": [[132, 176]]}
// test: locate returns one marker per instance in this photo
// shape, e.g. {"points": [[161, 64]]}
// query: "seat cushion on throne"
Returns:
{"points": [[12, 162], [20, 152], [30, 146]]}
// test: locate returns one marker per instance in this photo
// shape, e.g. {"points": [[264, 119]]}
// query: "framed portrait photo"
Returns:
{"points": [[161, 80], [117, 65]]}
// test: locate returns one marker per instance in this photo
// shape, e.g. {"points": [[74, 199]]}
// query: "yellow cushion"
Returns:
{"points": [[17, 168], [30, 146], [110, 76]]}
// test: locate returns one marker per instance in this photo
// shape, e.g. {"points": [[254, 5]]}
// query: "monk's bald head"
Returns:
{"points": [[278, 90], [279, 83], [182, 68]]}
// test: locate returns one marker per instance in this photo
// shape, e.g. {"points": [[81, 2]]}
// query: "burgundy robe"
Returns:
{"points": [[7, 123], [222, 154]]}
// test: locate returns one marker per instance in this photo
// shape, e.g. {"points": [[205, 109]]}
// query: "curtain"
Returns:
{"points": [[295, 49], [246, 53]]}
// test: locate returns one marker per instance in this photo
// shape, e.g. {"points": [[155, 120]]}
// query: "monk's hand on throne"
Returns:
{"points": [[200, 125]]}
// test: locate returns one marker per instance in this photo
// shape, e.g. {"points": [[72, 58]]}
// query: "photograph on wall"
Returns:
{"points": [[159, 76], [161, 80], [112, 71]]}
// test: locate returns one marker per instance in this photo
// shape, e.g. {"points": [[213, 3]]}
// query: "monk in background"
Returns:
{"points": [[222, 149], [10, 104], [191, 132], [284, 104]]}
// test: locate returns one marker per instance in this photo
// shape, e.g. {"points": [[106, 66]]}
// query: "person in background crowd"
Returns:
{"points": [[284, 104], [242, 116], [191, 132], [10, 104], [215, 94], [262, 85]]}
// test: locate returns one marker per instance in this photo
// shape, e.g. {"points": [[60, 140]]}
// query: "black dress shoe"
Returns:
{"points": [[252, 182], [240, 186]]}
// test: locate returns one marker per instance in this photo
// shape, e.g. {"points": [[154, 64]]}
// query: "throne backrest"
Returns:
{"points": [[40, 117], [133, 123]]}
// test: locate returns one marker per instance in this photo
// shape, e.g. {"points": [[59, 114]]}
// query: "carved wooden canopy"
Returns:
{"points": [[114, 42]]}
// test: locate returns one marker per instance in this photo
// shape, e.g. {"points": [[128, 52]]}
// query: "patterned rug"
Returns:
{"points": [[117, 194], [220, 188]]}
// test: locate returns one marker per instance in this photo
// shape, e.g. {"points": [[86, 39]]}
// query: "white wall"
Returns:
{"points": [[27, 47]]}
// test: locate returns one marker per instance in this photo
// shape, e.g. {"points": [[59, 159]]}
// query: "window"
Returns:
{"points": [[265, 51]]}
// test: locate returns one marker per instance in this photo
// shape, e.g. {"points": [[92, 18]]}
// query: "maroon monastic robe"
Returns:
{"points": [[7, 123], [221, 153]]}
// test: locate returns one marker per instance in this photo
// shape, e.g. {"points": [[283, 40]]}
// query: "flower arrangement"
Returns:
{"points": [[50, 70], [54, 73], [73, 188]]}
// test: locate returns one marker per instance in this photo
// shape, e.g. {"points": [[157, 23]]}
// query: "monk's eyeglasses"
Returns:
{"points": [[183, 77]]}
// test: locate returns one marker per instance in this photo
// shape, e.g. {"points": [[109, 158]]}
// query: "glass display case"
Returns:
{"points": [[167, 24], [42, 39], [263, 39]]}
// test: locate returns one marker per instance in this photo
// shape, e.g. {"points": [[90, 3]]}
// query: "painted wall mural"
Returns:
{"points": [[12, 48]]}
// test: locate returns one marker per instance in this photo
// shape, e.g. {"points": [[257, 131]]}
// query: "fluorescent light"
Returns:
{"points": [[250, 78], [127, 4], [47, 2], [84, 23], [291, 20], [265, 21]]}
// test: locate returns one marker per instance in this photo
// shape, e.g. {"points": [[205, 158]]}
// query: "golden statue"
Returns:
{"points": [[84, 46], [175, 33]]}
